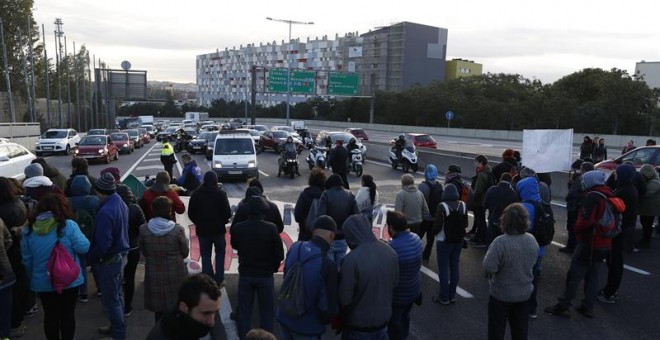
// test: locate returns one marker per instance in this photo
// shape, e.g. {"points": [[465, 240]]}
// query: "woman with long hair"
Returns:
{"points": [[53, 222], [367, 197]]}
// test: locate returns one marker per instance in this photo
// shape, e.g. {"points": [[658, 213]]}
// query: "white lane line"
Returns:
{"points": [[136, 163], [625, 266], [151, 159], [263, 173], [149, 167], [460, 291], [225, 312]]}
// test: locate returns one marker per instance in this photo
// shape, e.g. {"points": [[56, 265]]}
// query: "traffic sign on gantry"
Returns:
{"points": [[301, 81], [343, 84]]}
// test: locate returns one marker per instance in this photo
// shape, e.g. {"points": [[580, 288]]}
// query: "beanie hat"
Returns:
{"points": [[33, 170], [211, 178], [593, 178], [105, 184], [507, 154], [325, 222], [431, 173], [454, 168], [113, 171]]}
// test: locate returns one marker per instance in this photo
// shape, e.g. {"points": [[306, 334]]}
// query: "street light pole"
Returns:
{"points": [[288, 62]]}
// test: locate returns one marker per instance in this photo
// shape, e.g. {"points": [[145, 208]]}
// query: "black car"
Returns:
{"points": [[162, 135], [199, 144]]}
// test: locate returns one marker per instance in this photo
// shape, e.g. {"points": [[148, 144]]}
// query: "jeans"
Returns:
{"points": [[448, 256], [350, 334], [83, 270], [344, 178], [110, 281], [5, 311], [129, 278], [498, 314], [571, 218], [425, 228], [338, 251], [492, 231], [399, 325], [579, 270], [479, 226], [289, 335], [264, 288], [537, 274], [60, 313], [206, 245]]}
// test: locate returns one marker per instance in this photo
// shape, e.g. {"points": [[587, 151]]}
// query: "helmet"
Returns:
{"points": [[289, 139], [352, 141], [401, 136]]}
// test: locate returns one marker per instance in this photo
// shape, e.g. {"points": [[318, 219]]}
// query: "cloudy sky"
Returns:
{"points": [[539, 39]]}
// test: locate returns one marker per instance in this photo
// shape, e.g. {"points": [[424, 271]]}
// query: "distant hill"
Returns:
{"points": [[189, 87]]}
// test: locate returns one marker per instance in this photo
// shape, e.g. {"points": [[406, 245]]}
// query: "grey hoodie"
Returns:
{"points": [[369, 273], [160, 226], [412, 203]]}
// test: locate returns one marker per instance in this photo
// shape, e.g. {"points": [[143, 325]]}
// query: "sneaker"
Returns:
{"points": [[83, 298], [585, 311], [104, 330], [128, 311], [606, 299], [558, 310], [635, 250], [437, 299], [533, 315]]}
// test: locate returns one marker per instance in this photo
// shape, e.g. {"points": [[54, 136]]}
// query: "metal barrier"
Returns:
{"points": [[25, 134]]}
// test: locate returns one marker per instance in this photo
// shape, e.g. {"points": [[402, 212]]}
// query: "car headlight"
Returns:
{"points": [[77, 151], [100, 151], [125, 145], [218, 165], [252, 164]]}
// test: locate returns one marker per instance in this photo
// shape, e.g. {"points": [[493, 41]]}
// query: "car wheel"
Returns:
{"points": [[68, 150], [107, 159], [117, 155]]}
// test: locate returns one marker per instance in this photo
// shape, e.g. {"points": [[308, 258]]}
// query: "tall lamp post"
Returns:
{"points": [[288, 63]]}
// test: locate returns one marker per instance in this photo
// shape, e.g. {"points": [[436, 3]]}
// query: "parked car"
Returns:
{"points": [[260, 128], [97, 148], [97, 132], [345, 137], [123, 142], [273, 140], [57, 140], [638, 157], [135, 136], [256, 135], [13, 159], [161, 135], [151, 129], [200, 143], [144, 134], [234, 155], [287, 129], [191, 132], [209, 127], [358, 133], [421, 140]]}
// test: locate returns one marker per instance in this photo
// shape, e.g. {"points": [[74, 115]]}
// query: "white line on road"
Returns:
{"points": [[625, 266], [136, 163], [149, 167], [263, 173], [151, 159], [460, 291]]}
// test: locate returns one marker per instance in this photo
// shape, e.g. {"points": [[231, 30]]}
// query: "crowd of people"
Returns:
{"points": [[102, 226]]}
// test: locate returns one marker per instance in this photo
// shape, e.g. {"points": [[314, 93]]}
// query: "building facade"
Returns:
{"points": [[457, 68], [650, 70], [390, 58]]}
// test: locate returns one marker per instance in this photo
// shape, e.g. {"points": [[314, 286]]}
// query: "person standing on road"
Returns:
{"points": [[79, 166], [337, 160], [36, 184], [367, 279], [164, 245], [432, 191], [586, 148], [167, 156], [509, 263], [191, 177], [629, 147], [508, 165], [338, 203], [408, 248], [316, 185], [649, 203], [367, 197], [210, 211], [107, 254], [410, 201], [592, 248], [320, 283], [260, 253], [51, 172], [135, 220], [7, 281], [482, 182], [194, 316], [273, 215], [575, 192], [600, 151], [497, 198], [161, 187]]}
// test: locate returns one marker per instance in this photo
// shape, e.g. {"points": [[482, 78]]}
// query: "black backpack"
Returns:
{"points": [[455, 222], [544, 223], [292, 292], [435, 197]]}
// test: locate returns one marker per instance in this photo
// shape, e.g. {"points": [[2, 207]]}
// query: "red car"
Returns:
{"points": [[146, 137], [638, 157], [97, 148], [358, 133], [421, 140], [123, 142], [273, 140]]}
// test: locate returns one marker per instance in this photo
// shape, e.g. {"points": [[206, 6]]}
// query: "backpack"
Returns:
{"points": [[465, 193], [62, 268], [292, 292], [313, 213], [435, 197], [455, 222], [609, 223], [544, 223], [85, 221]]}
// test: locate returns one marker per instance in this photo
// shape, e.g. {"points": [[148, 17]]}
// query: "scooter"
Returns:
{"points": [[309, 142], [317, 157], [355, 162], [408, 160], [288, 163]]}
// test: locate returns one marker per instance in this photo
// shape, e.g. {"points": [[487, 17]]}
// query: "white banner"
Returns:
{"points": [[547, 150]]}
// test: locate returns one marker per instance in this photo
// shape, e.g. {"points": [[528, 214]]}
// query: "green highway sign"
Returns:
{"points": [[301, 81], [343, 84]]}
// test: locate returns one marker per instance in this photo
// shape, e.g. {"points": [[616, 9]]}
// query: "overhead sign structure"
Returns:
{"points": [[343, 84], [547, 150], [303, 82]]}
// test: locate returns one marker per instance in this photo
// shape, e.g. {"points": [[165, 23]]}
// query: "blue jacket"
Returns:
{"points": [[191, 176], [528, 189], [320, 277], [110, 230], [81, 197], [408, 247], [38, 243]]}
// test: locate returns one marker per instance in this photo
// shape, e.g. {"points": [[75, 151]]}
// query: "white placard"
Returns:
{"points": [[355, 52], [547, 150]]}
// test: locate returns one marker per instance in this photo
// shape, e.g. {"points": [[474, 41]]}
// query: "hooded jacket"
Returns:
{"points": [[408, 248], [411, 202], [191, 176], [7, 276], [426, 187], [528, 189], [337, 203], [110, 230], [81, 196], [450, 197], [38, 242], [13, 213], [75, 173], [627, 191], [650, 200], [497, 198], [369, 273], [209, 209], [303, 205], [55, 176], [590, 211], [135, 214], [273, 214], [484, 180]]}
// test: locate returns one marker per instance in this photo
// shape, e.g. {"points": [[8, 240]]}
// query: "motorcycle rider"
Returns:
{"points": [[399, 145], [183, 137], [352, 145], [289, 147]]}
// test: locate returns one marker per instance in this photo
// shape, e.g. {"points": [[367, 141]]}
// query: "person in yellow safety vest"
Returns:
{"points": [[167, 156]]}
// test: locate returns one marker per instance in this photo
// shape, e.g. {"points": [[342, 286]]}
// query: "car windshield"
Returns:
{"points": [[357, 131], [92, 140], [96, 132], [640, 157], [410, 148], [255, 133], [119, 136], [205, 135], [133, 133], [260, 128], [55, 134], [143, 131], [423, 138], [231, 146], [280, 134], [345, 137], [190, 131], [170, 129]]}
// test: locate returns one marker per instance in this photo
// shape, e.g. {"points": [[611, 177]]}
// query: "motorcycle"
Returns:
{"points": [[317, 157], [288, 164], [408, 160], [355, 162], [180, 144]]}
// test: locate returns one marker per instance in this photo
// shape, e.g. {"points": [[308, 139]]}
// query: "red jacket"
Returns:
{"points": [[590, 211], [149, 196]]}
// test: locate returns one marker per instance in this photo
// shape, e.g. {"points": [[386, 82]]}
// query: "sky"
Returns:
{"points": [[539, 39]]}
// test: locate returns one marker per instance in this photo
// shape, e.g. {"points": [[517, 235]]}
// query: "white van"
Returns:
{"points": [[234, 155]]}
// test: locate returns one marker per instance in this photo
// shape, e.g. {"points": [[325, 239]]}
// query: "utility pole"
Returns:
{"points": [[46, 70], [76, 79], [89, 81], [25, 72], [6, 71], [67, 61], [34, 90], [58, 57]]}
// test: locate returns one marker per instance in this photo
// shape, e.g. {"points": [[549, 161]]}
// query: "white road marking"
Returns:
{"points": [[151, 159], [460, 291], [625, 266], [136, 163], [263, 173], [149, 167]]}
